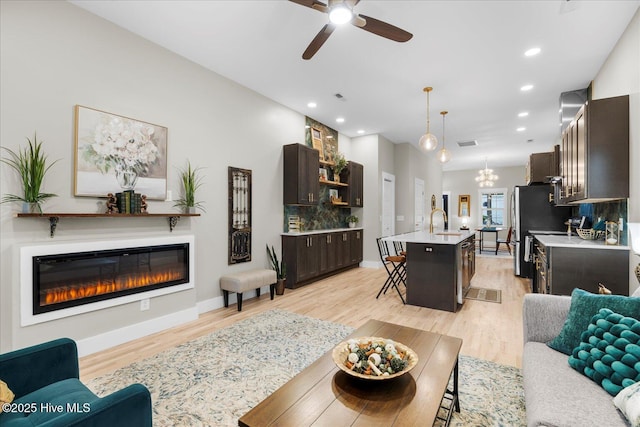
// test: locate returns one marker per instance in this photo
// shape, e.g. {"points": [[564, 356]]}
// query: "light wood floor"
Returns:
{"points": [[489, 331]]}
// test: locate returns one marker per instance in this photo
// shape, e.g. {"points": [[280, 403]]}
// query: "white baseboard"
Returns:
{"points": [[371, 264], [129, 333]]}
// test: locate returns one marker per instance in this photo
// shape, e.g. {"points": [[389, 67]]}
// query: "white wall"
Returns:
{"points": [[463, 182], [620, 75], [54, 56]]}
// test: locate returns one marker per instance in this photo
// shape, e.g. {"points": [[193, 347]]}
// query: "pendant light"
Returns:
{"points": [[485, 177], [428, 141], [443, 155]]}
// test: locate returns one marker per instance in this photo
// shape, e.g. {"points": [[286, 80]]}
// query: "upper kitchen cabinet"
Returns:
{"points": [[355, 177], [541, 167], [595, 153], [301, 166]]}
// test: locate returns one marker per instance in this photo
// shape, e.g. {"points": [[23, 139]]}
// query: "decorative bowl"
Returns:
{"points": [[590, 233], [341, 352]]}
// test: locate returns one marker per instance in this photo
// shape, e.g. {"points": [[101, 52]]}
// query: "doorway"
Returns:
{"points": [[388, 204]]}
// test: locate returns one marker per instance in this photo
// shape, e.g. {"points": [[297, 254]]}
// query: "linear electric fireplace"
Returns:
{"points": [[62, 280], [67, 280]]}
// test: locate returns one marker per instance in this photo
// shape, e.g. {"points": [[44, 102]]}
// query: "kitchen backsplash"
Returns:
{"points": [[607, 211], [322, 216]]}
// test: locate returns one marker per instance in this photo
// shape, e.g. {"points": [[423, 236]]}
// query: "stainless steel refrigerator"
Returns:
{"points": [[532, 212]]}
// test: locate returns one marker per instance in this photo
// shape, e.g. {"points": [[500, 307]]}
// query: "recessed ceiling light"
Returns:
{"points": [[532, 52], [523, 114], [340, 120], [312, 105], [526, 88], [521, 129], [360, 131]]}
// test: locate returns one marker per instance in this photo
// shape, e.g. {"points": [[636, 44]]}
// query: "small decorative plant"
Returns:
{"points": [[352, 218], [280, 267], [31, 165], [191, 181], [339, 163]]}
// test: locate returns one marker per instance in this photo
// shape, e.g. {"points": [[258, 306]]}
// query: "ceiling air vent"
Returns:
{"points": [[470, 143]]}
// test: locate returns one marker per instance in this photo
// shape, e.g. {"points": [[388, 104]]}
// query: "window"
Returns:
{"points": [[493, 206]]}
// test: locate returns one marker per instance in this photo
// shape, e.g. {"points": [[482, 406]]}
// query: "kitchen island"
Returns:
{"points": [[439, 267]]}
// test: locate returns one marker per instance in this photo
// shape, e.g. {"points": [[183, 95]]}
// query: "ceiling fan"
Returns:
{"points": [[341, 12]]}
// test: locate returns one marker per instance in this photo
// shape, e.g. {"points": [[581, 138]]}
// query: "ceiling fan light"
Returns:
{"points": [[428, 142], [340, 14]]}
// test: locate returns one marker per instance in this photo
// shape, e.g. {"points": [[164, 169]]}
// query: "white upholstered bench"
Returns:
{"points": [[246, 281]]}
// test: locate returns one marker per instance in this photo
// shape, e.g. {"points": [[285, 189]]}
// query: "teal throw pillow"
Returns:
{"points": [[609, 351], [583, 306]]}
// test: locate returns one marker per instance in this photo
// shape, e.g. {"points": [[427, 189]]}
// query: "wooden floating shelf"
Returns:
{"points": [[339, 203], [55, 217], [334, 183]]}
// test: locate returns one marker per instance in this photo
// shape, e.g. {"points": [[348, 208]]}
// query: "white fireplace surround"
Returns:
{"points": [[27, 253]]}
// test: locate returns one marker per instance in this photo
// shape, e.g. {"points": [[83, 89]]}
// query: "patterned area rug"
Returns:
{"points": [[214, 380]]}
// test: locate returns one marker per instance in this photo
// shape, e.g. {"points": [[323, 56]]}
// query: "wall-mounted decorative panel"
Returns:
{"points": [[239, 215]]}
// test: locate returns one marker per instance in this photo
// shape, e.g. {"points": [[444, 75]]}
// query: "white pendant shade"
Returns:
{"points": [[428, 141]]}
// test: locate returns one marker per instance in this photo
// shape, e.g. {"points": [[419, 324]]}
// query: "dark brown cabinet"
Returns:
{"points": [[313, 256], [354, 175], [595, 153], [541, 167], [560, 269], [301, 184]]}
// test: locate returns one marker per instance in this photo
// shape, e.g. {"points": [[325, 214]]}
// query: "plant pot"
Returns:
{"points": [[352, 225], [30, 207], [280, 286], [190, 209]]}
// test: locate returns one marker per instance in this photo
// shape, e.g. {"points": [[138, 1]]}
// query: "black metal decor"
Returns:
{"points": [[239, 215]]}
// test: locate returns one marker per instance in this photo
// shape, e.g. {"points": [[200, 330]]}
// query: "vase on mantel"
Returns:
{"points": [[127, 178]]}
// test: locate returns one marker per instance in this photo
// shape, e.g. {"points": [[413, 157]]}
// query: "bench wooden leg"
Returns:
{"points": [[225, 295], [257, 292], [239, 294], [272, 288]]}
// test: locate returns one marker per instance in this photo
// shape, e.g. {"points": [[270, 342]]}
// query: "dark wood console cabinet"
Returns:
{"points": [[310, 257]]}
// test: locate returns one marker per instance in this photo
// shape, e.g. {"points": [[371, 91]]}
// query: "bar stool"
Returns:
{"points": [[395, 266]]}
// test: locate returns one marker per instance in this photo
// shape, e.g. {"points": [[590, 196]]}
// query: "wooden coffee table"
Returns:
{"points": [[323, 395]]}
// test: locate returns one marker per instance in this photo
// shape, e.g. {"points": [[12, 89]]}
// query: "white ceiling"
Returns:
{"points": [[470, 52]]}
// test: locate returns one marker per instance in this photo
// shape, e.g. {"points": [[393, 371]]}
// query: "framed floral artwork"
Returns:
{"points": [[115, 153]]}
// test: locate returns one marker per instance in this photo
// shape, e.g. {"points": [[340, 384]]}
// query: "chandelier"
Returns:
{"points": [[485, 177], [443, 155], [428, 141]]}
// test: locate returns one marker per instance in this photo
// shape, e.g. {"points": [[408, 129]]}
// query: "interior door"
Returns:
{"points": [[419, 205], [388, 204]]}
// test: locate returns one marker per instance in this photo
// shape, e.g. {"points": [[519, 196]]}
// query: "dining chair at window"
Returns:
{"points": [[395, 267], [506, 241]]}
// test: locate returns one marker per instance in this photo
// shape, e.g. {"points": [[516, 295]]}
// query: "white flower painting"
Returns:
{"points": [[115, 153]]}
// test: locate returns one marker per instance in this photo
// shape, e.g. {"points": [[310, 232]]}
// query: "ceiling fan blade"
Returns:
{"points": [[318, 41], [313, 4], [383, 29]]}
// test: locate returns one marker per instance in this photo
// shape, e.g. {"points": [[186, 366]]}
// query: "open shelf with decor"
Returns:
{"points": [[55, 217]]}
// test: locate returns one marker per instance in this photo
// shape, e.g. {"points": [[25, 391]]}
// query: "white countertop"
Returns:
{"points": [[331, 230], [575, 242], [438, 237]]}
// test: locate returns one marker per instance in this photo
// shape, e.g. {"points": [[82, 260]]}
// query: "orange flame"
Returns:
{"points": [[85, 290]]}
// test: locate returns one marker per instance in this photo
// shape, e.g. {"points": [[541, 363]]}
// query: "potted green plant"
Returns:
{"points": [[280, 269], [191, 181], [352, 220], [339, 163], [31, 165]]}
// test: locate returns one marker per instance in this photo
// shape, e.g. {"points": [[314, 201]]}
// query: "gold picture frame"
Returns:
{"points": [[316, 139], [464, 205]]}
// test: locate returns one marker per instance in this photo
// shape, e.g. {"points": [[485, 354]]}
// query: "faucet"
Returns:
{"points": [[444, 214]]}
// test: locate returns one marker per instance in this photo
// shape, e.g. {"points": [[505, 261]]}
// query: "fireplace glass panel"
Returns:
{"points": [[67, 280]]}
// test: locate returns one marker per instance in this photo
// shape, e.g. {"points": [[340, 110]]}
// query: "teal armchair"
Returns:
{"points": [[48, 392]]}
